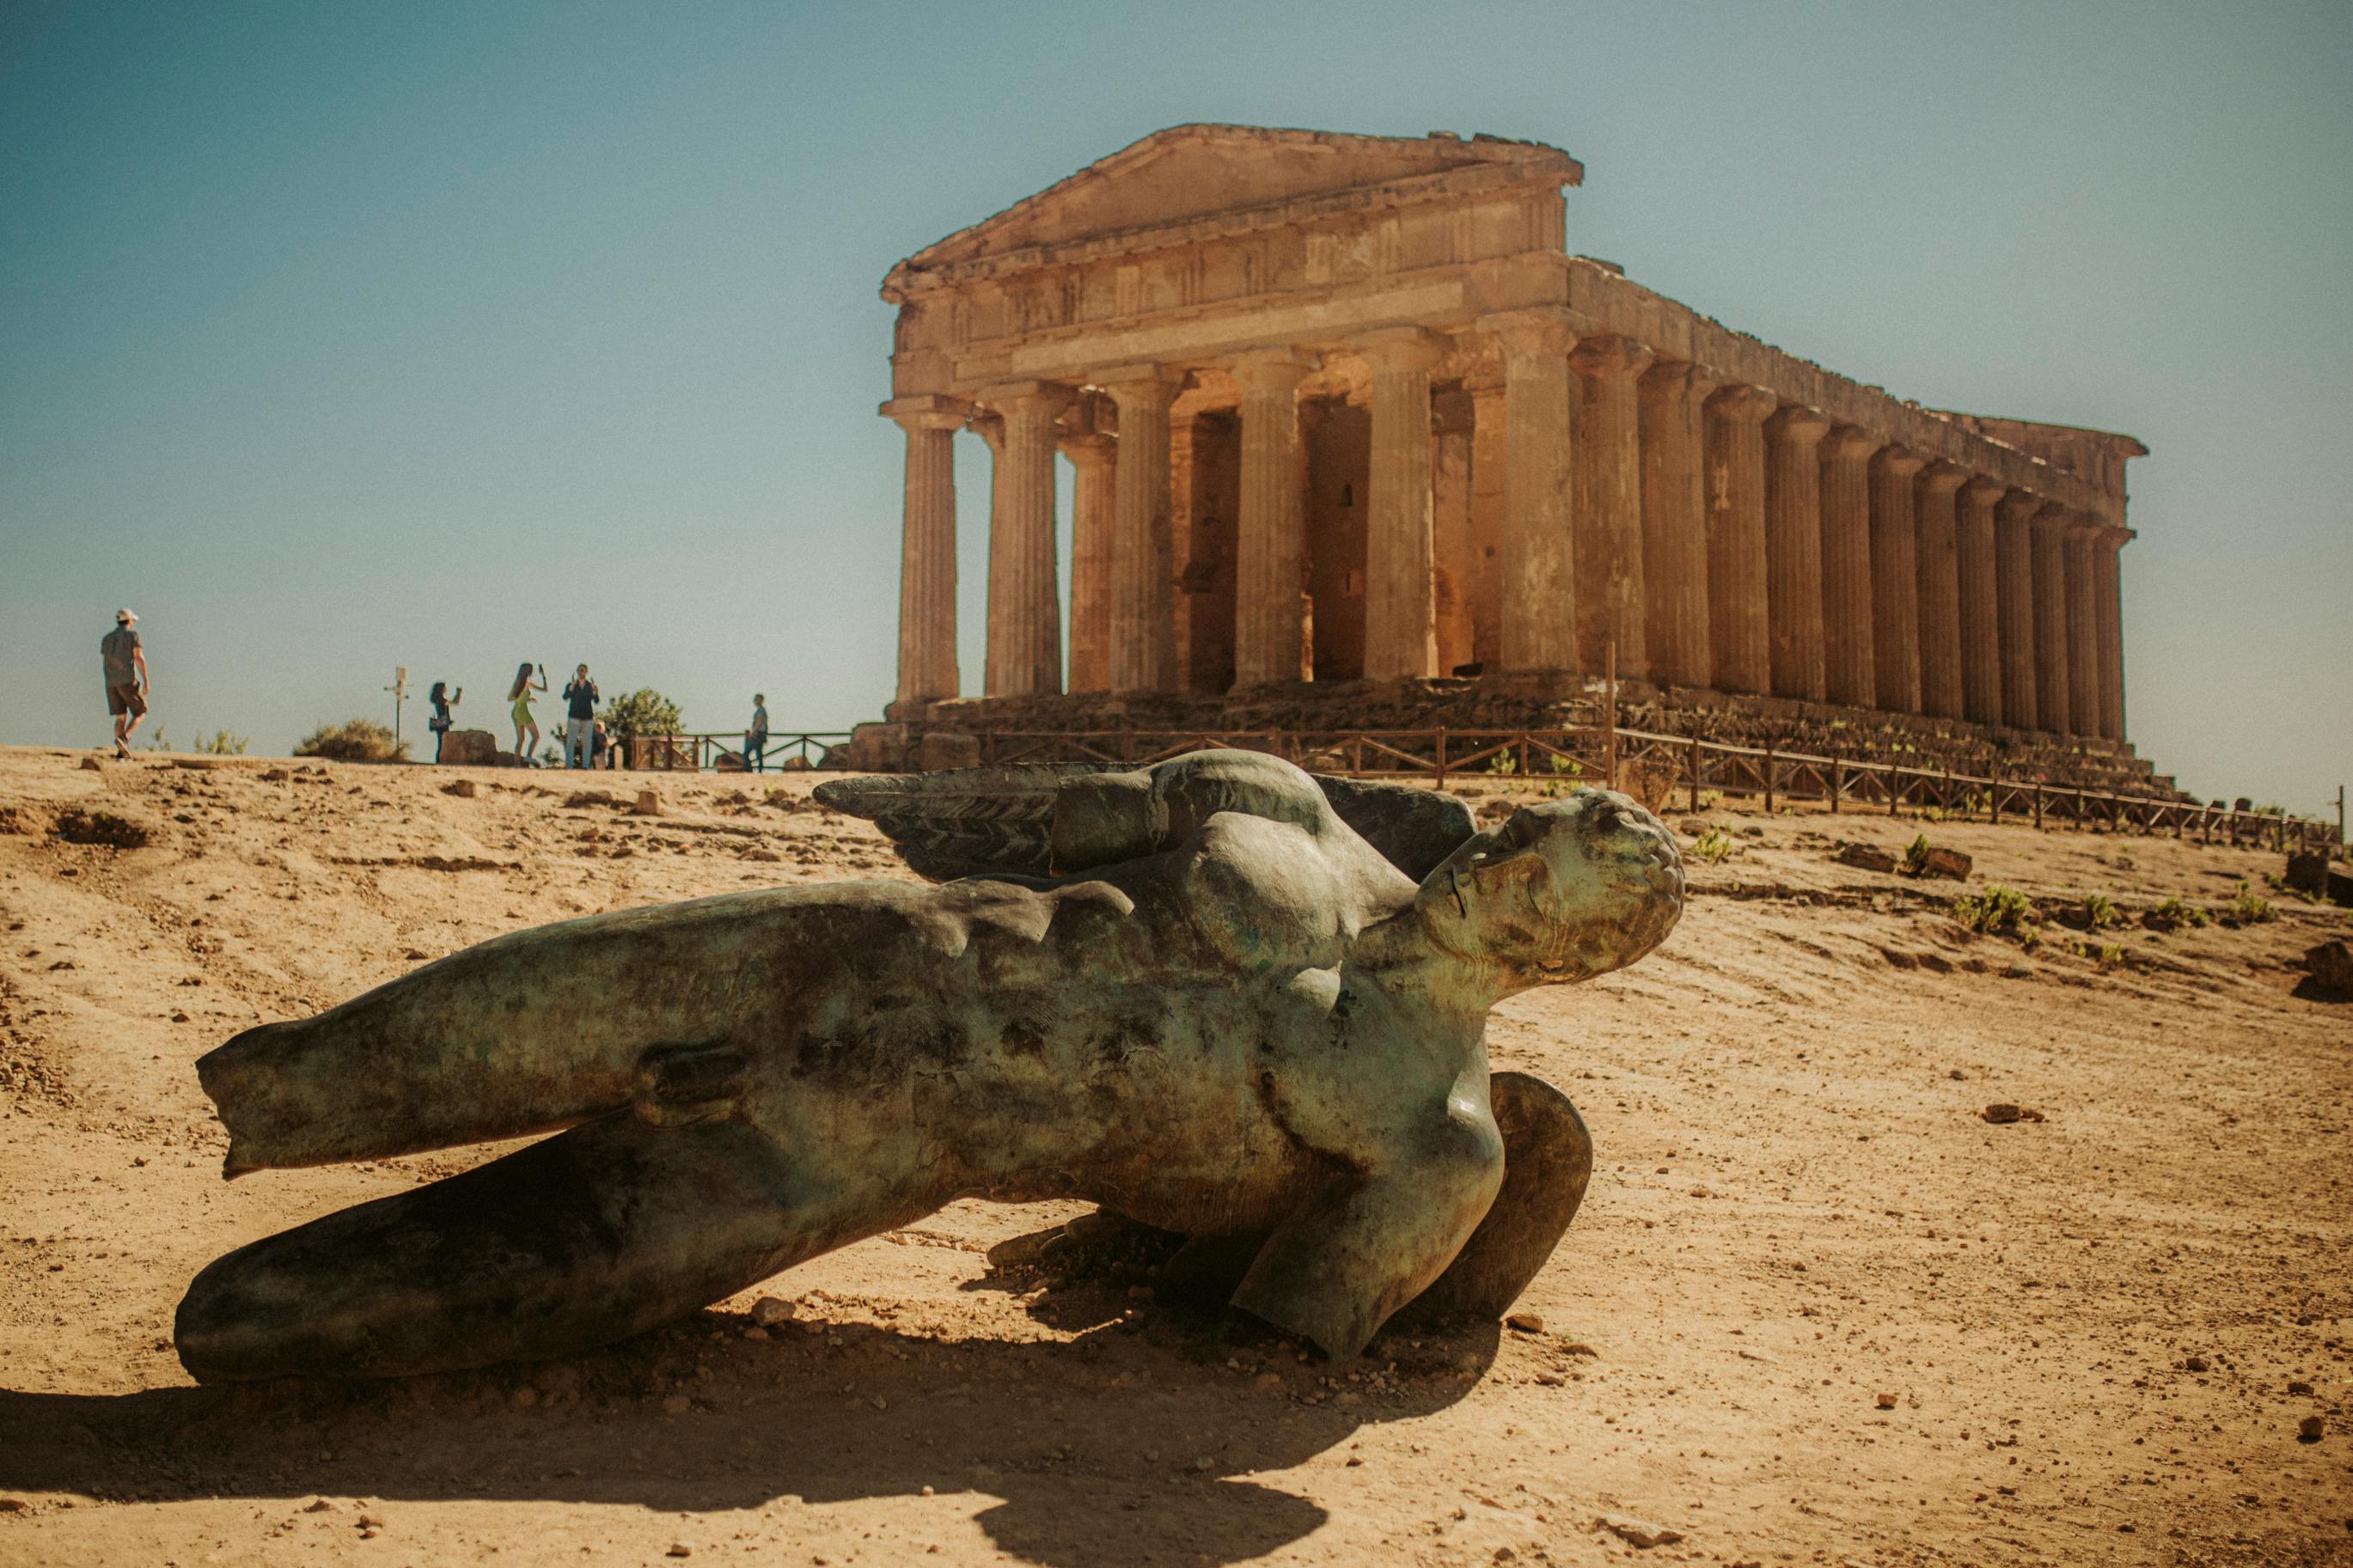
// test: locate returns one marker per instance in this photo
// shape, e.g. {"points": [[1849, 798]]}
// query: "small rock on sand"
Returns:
{"points": [[1866, 858], [648, 804], [2000, 1114], [679, 1549], [2310, 1428], [770, 1310], [1637, 1532], [464, 789], [92, 765], [1888, 1401], [1526, 1323], [2331, 964]]}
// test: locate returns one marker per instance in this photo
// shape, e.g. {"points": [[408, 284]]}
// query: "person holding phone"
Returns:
{"points": [[581, 697], [520, 696], [443, 699]]}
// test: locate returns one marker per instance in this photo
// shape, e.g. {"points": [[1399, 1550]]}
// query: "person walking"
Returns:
{"points": [[520, 696], [580, 723], [127, 681], [756, 739], [443, 699], [600, 747]]}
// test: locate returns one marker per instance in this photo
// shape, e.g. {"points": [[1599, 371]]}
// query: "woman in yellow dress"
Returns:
{"points": [[524, 723]]}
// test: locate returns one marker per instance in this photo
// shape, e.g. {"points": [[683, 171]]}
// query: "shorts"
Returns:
{"points": [[122, 700]]}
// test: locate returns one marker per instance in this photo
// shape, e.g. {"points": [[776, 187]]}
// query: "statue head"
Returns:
{"points": [[1561, 891]]}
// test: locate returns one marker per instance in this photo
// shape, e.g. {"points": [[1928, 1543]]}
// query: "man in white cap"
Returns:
{"points": [[126, 677]]}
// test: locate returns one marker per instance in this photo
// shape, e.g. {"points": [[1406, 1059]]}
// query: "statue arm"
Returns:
{"points": [[1373, 1239], [1100, 819]]}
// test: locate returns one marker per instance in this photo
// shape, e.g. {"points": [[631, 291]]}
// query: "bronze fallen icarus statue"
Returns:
{"points": [[1208, 995]]}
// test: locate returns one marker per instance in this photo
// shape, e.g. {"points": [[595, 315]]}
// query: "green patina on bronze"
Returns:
{"points": [[1193, 994]]}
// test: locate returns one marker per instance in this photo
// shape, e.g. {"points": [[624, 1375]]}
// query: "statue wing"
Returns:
{"points": [[962, 822], [968, 822]]}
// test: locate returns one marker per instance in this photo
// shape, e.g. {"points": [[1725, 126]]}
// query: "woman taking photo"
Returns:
{"points": [[443, 699], [524, 723]]}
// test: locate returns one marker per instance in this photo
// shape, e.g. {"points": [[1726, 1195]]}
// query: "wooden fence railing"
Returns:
{"points": [[1675, 770], [722, 750]]}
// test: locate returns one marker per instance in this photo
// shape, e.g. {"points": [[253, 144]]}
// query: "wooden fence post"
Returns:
{"points": [[1441, 756], [2038, 806], [1838, 781], [1695, 760], [1768, 781], [1895, 789]]}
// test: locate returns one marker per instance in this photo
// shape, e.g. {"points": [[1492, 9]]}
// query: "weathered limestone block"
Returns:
{"points": [[878, 748], [469, 748], [942, 748]]}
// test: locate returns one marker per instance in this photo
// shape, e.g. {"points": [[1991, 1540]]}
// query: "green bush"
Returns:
{"points": [[353, 740], [221, 743], [2172, 915], [644, 712], [1711, 846], [2100, 912]]}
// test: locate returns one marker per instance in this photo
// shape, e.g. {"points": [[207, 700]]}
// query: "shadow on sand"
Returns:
{"points": [[1133, 1442]]}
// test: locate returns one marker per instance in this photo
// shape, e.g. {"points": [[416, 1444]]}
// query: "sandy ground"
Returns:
{"points": [[1816, 1309]]}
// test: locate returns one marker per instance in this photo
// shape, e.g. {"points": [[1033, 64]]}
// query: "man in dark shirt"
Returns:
{"points": [[580, 717], [127, 681], [756, 739]]}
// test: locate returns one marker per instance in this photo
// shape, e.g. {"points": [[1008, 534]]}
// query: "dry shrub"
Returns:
{"points": [[353, 740]]}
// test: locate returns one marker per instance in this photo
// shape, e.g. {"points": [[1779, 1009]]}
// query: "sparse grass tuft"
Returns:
{"points": [[2247, 908], [2172, 915], [2100, 912], [1999, 911], [1916, 856], [1711, 846]]}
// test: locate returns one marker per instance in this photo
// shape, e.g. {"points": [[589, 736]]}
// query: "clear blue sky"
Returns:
{"points": [[336, 337]]}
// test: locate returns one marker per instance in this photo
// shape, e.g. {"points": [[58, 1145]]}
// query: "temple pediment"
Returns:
{"points": [[1191, 171]]}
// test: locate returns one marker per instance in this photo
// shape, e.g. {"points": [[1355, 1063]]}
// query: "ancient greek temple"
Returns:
{"points": [[1346, 408]]}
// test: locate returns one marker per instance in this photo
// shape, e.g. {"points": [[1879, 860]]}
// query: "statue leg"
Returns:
{"points": [[1547, 1160], [578, 1240]]}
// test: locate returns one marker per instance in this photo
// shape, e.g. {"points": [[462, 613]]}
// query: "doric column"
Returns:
{"points": [[1980, 594], [1272, 538], [1025, 600], [1674, 522], [1143, 622], [1793, 549], [1937, 549], [1895, 580], [1739, 635], [1606, 499], [1537, 582], [927, 566], [2053, 690], [1848, 675], [2082, 629], [1455, 566], [1093, 453], [1487, 481], [2013, 541], [1400, 620], [2109, 604]]}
